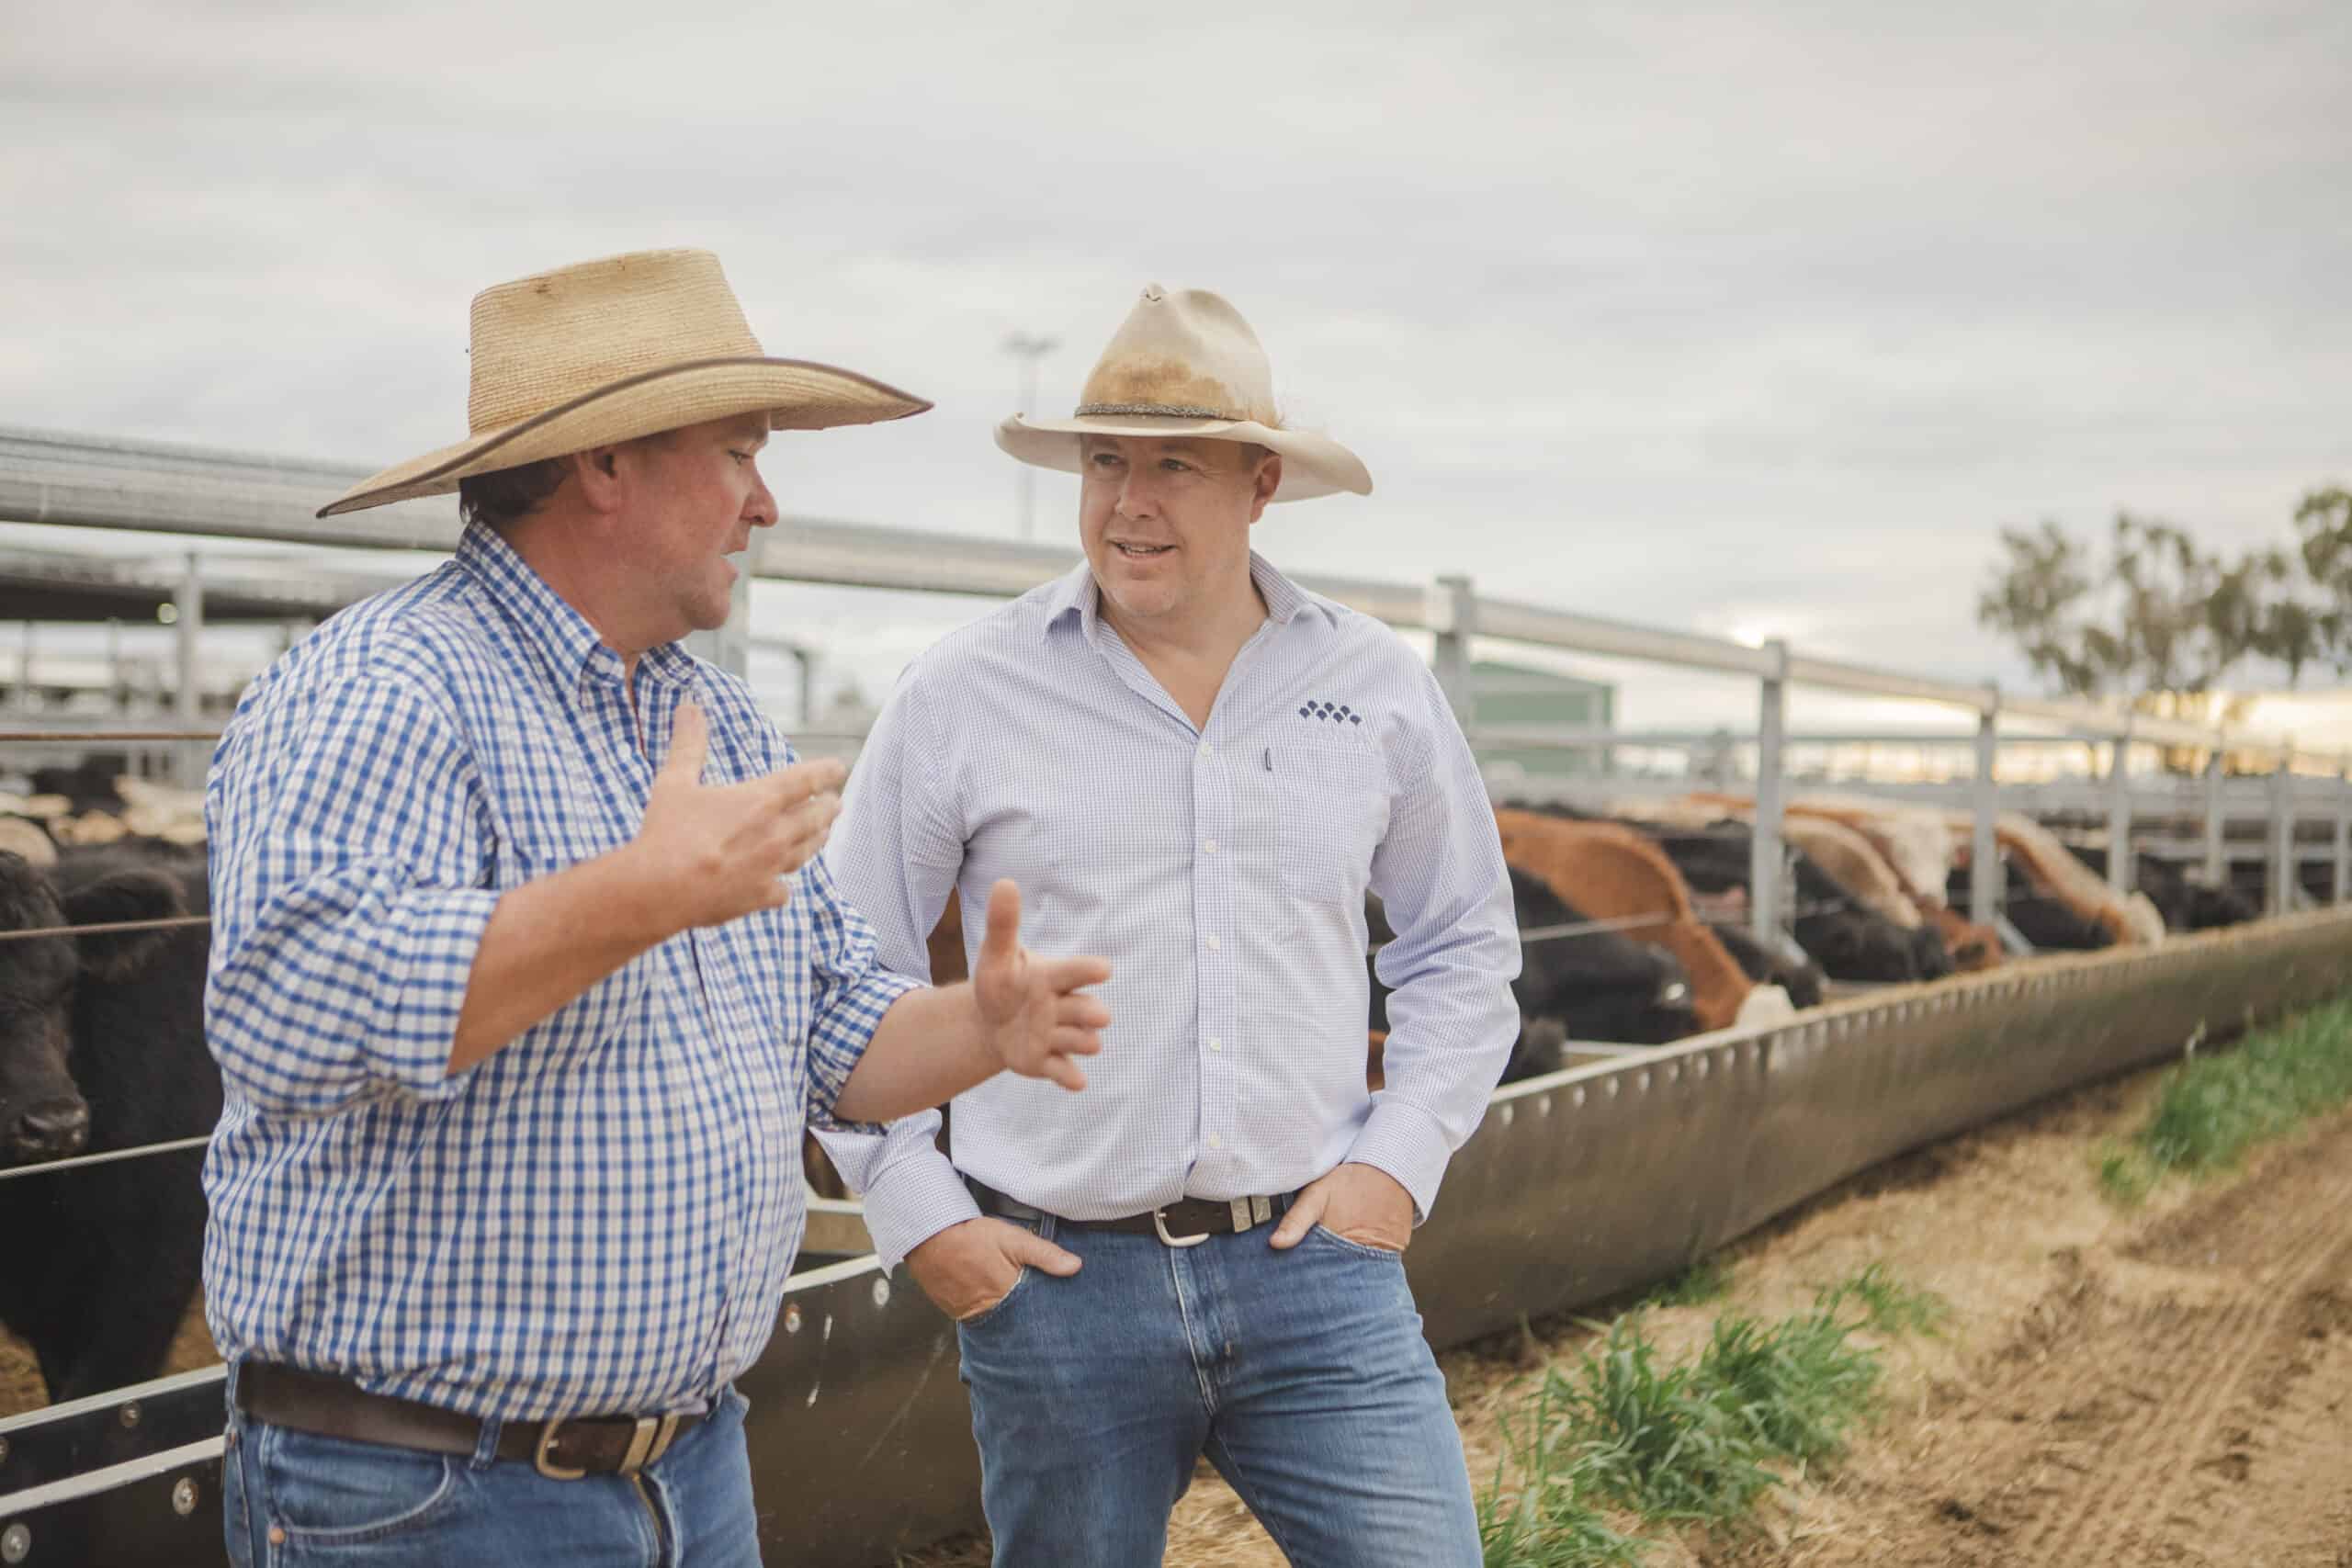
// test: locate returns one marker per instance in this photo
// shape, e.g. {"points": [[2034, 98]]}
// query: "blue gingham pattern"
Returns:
{"points": [[1223, 873], [599, 1217]]}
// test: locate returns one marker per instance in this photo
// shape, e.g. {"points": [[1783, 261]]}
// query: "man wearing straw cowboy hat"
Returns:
{"points": [[524, 981], [1197, 768]]}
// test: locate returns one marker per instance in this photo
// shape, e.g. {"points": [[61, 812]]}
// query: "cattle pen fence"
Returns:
{"points": [[1608, 1175]]}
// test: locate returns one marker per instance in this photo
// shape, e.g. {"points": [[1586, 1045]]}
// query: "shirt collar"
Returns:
{"points": [[1075, 594], [550, 624]]}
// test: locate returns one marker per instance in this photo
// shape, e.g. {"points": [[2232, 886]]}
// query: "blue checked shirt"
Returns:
{"points": [[1223, 873], [599, 1217]]}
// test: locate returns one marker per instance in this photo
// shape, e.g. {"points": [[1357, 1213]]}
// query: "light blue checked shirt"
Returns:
{"points": [[599, 1217], [1223, 873]]}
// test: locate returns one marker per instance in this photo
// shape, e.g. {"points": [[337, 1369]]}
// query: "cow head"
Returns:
{"points": [[1542, 1047], [42, 1113]]}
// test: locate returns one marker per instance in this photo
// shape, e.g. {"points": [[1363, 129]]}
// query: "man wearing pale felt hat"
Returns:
{"points": [[526, 981], [1197, 768]]}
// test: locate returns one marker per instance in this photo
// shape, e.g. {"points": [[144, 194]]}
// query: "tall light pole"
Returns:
{"points": [[1028, 349]]}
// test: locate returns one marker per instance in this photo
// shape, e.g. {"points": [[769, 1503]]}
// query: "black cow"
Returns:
{"points": [[1847, 939], [88, 784], [103, 1259], [2042, 919], [2185, 906], [1598, 985], [1803, 982]]}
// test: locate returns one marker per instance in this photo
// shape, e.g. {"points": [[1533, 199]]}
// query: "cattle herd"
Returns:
{"points": [[1635, 923]]}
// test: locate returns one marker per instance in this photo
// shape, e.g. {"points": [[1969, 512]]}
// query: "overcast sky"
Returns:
{"points": [[1750, 319]]}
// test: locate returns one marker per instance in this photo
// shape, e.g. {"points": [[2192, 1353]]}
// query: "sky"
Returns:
{"points": [[1747, 318]]}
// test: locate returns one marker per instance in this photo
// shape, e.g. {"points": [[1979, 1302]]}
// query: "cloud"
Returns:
{"points": [[1693, 313]]}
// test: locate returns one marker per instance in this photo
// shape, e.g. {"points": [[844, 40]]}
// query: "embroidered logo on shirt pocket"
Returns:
{"points": [[1332, 808]]}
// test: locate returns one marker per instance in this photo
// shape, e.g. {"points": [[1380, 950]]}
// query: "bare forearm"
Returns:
{"points": [[929, 1048], [551, 938]]}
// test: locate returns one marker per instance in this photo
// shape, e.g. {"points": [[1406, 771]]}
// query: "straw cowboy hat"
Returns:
{"points": [[1185, 364], [610, 350]]}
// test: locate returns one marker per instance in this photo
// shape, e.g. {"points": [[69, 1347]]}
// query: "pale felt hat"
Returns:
{"points": [[1185, 364], [611, 350]]}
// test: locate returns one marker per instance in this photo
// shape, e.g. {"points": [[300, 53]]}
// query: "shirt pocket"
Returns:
{"points": [[1331, 808]]}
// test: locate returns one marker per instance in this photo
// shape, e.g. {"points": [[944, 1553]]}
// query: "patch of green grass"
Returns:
{"points": [[1689, 1442], [1797, 1385], [2126, 1174], [2212, 1111], [1706, 1279], [1888, 1305], [1654, 1440], [1538, 1514]]}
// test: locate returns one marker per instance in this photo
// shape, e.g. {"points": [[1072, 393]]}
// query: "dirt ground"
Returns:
{"points": [[2166, 1385]]}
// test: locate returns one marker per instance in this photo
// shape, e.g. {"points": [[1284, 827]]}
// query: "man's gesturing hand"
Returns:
{"points": [[722, 850], [1030, 1008]]}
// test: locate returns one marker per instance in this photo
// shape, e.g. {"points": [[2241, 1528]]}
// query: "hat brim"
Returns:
{"points": [[1313, 465], [796, 394]]}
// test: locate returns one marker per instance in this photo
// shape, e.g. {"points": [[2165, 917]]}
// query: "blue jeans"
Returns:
{"points": [[1303, 1375], [289, 1499]]}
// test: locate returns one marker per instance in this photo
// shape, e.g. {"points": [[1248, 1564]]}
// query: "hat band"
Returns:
{"points": [[1162, 410]]}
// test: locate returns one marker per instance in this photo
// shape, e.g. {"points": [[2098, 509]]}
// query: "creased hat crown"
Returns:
{"points": [[1183, 356], [612, 350], [540, 340], [1185, 366]]}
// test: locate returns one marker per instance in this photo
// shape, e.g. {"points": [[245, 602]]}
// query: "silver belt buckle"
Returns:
{"points": [[649, 1442], [543, 1465], [1160, 1223]]}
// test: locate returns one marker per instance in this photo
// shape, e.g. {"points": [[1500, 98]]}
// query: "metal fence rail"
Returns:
{"points": [[106, 482]]}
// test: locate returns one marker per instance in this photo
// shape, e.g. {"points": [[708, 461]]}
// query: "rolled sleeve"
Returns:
{"points": [[348, 854]]}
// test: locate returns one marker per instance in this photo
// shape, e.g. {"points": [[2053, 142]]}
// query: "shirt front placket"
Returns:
{"points": [[1214, 866], [626, 728]]}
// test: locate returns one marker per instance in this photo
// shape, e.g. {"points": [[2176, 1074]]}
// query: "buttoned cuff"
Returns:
{"points": [[912, 1201], [1407, 1142]]}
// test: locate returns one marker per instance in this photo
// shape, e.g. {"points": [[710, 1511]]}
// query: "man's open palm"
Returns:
{"points": [[1038, 1020]]}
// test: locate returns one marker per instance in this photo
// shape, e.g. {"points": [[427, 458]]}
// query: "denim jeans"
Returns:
{"points": [[291, 1500], [1301, 1375]]}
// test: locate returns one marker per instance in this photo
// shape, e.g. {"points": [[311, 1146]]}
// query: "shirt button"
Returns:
{"points": [[1214, 1044], [1206, 750], [1215, 1142], [1212, 945], [1208, 846]]}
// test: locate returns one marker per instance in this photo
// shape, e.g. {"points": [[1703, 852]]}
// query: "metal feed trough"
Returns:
{"points": [[1575, 1187]]}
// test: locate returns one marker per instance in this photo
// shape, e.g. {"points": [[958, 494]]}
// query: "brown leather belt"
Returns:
{"points": [[561, 1449], [1187, 1223]]}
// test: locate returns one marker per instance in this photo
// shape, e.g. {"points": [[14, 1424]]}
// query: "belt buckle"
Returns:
{"points": [[1160, 1223], [539, 1461], [649, 1442]]}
